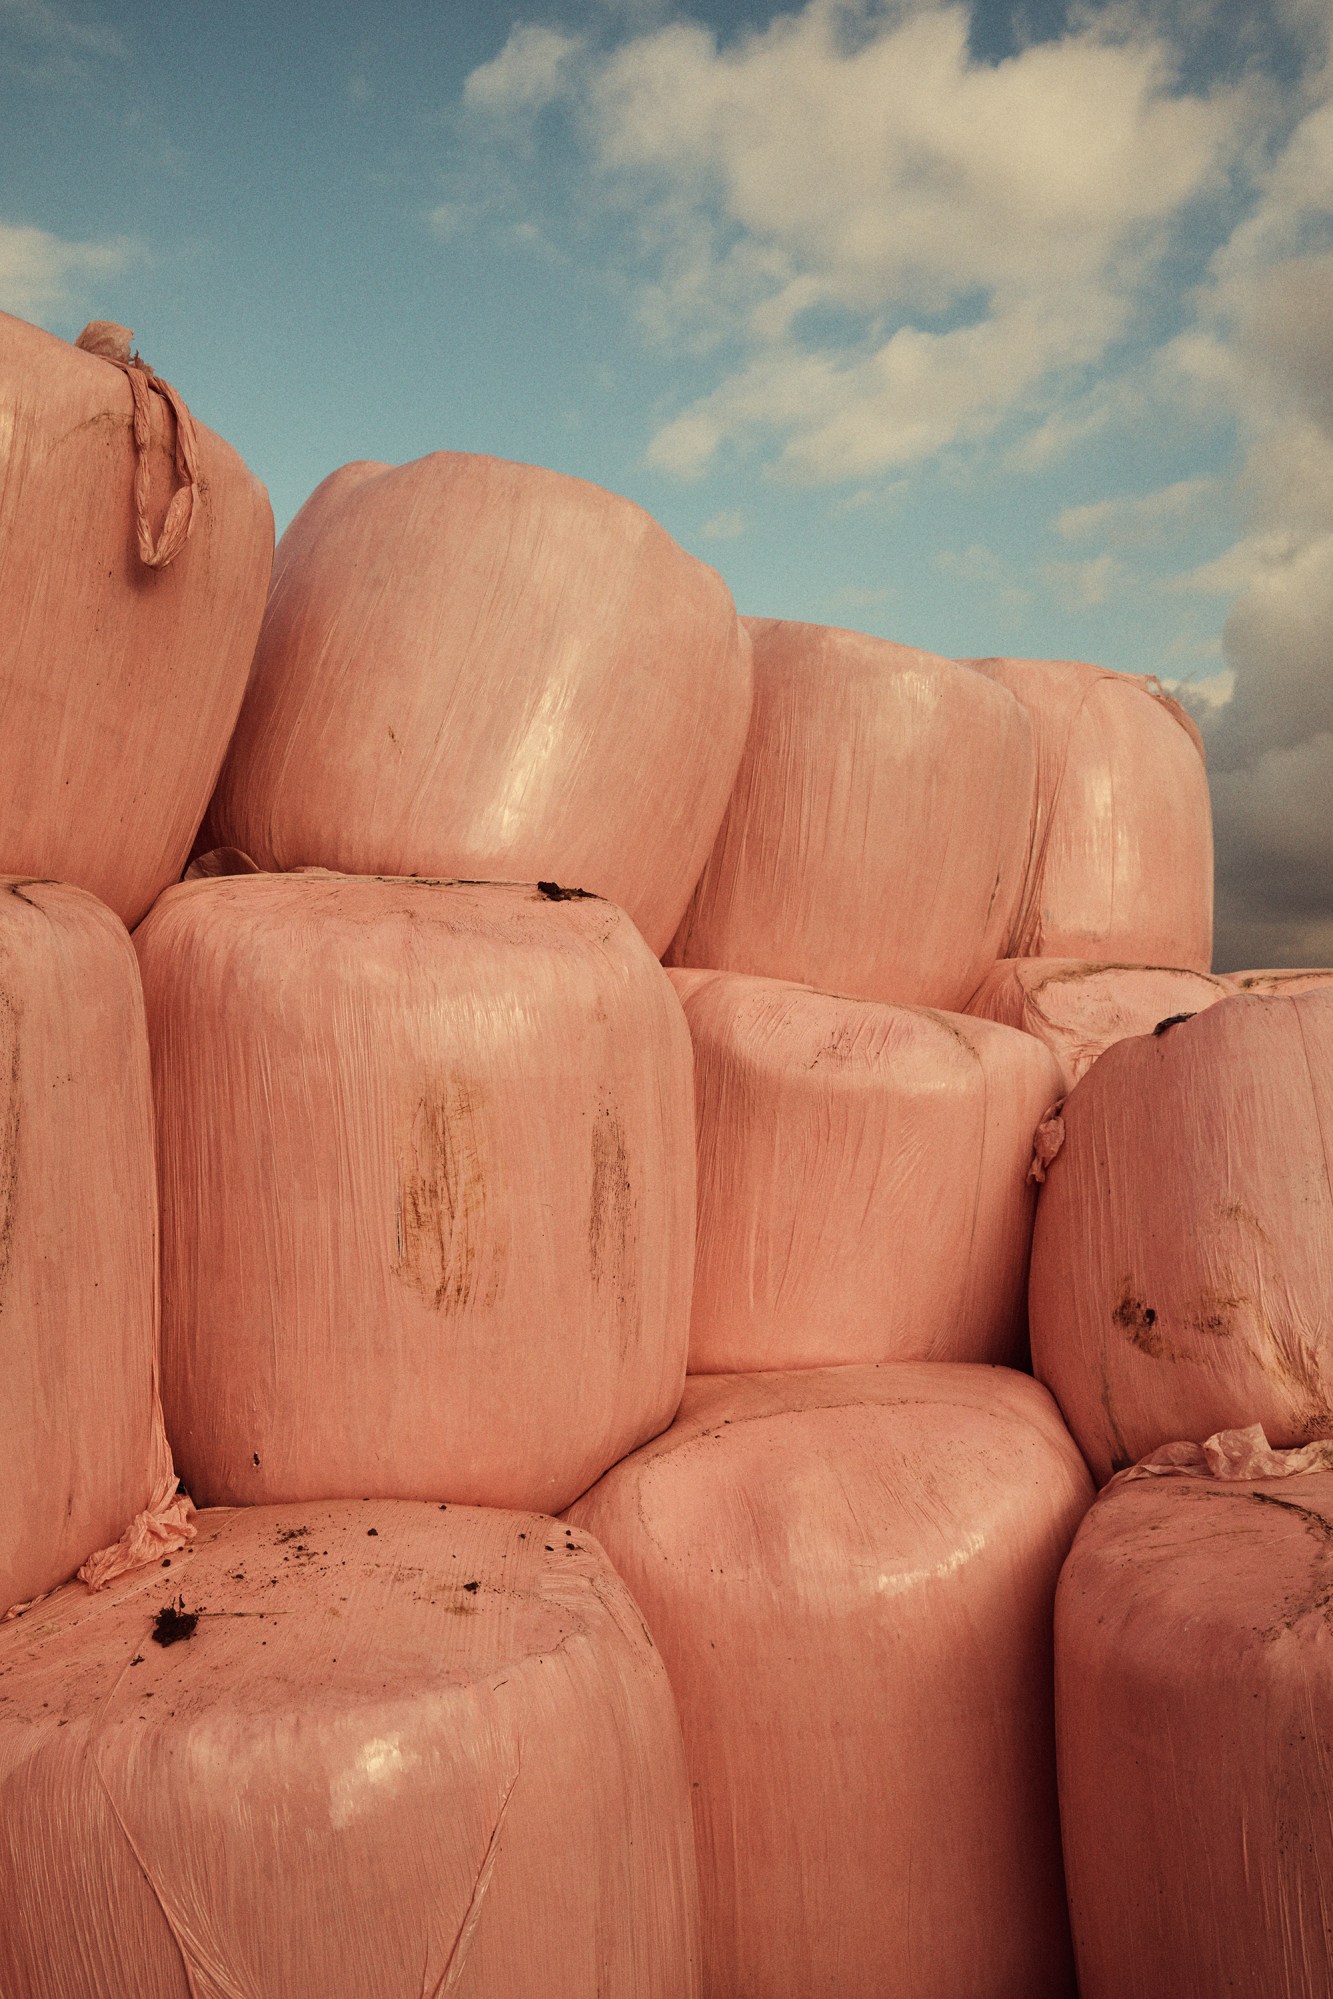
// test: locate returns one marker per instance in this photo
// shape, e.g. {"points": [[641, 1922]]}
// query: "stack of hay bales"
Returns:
{"points": [[548, 1440]]}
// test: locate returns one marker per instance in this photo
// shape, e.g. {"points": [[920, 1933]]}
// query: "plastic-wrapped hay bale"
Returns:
{"points": [[1079, 1009], [1122, 848], [1182, 1260], [470, 667], [850, 1575], [1195, 1710], [134, 559], [83, 1460], [427, 1169], [1288, 980], [863, 1178], [346, 1752], [878, 834]]}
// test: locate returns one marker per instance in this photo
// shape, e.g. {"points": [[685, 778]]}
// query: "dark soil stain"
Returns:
{"points": [[174, 1623], [553, 892], [1138, 1322]]}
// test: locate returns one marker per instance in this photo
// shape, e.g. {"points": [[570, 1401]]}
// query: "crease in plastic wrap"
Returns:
{"points": [[1182, 1258], [85, 1474], [135, 550], [876, 779], [470, 667], [1121, 862], [426, 1156], [850, 1574], [346, 1751], [1195, 1720], [1283, 979], [1079, 1008], [863, 1189]]}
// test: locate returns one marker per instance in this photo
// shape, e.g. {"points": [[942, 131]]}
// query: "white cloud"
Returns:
{"points": [[39, 20], [41, 274], [1137, 522], [529, 72], [1265, 342], [883, 175], [726, 526], [1081, 586]]}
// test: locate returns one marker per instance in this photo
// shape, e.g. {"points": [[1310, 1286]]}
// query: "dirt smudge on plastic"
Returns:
{"points": [[451, 1242]]}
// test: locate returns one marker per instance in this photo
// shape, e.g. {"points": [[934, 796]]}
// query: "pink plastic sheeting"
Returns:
{"points": [[850, 1575], [1195, 1708], [1079, 1009], [134, 558], [877, 837], [81, 1445], [469, 667], [863, 1189], [1182, 1262], [1122, 846], [427, 1170], [1283, 979], [400, 1753]]}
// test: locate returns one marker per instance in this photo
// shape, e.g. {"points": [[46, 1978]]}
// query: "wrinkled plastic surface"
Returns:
{"points": [[1079, 1009], [402, 1752], [1122, 847], [1282, 979], [878, 834], [863, 1190], [427, 1169], [81, 1448], [470, 667], [1182, 1261], [119, 682], [1195, 1705], [850, 1575]]}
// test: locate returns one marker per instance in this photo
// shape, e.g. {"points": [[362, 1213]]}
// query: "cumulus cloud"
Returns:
{"points": [[41, 274], [1265, 338], [529, 72], [728, 525], [979, 231]]}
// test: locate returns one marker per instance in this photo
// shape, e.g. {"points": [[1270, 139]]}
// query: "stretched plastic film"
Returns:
{"points": [[1195, 1708], [850, 1574], [470, 667], [878, 834], [1122, 848], [1079, 1009], [82, 1457], [346, 1752], [427, 1170], [863, 1178], [1182, 1260], [135, 550]]}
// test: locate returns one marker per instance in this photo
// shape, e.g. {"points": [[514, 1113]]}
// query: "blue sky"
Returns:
{"points": [[988, 329]]}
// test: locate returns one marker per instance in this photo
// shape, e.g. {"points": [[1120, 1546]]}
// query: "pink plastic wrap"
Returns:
{"points": [[877, 837], [863, 1178], [134, 558], [346, 1752], [1283, 979], [1195, 1708], [850, 1574], [427, 1170], [81, 1446], [477, 668], [1079, 1009], [1122, 851], [1182, 1262]]}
